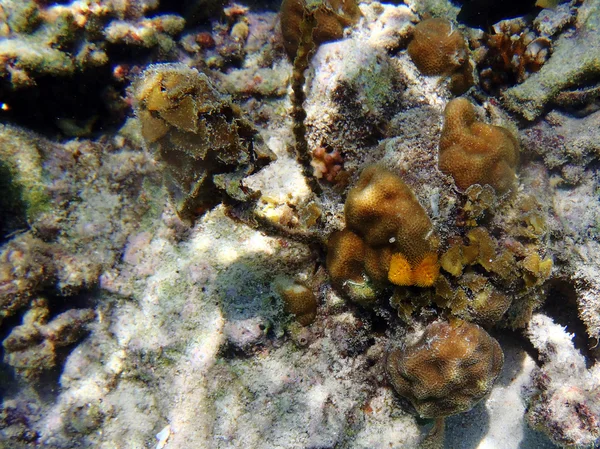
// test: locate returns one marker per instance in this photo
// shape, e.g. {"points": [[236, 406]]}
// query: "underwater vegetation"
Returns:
{"points": [[326, 226]]}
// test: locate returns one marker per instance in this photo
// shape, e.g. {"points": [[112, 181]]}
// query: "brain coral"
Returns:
{"points": [[448, 370], [437, 48], [473, 152], [332, 16]]}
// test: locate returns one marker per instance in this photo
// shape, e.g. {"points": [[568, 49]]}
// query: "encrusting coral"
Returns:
{"points": [[389, 236], [437, 48], [451, 368], [474, 152], [207, 147]]}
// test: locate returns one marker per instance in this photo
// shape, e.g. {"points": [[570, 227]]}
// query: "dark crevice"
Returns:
{"points": [[83, 100], [561, 306]]}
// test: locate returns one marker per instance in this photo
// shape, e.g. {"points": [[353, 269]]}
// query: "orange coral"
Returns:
{"points": [[448, 370], [423, 274], [332, 17], [473, 152], [438, 48]]}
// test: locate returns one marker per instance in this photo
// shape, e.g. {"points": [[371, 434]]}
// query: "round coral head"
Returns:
{"points": [[451, 368]]}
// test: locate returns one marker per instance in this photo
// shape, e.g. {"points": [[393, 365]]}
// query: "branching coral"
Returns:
{"points": [[473, 152], [438, 48]]}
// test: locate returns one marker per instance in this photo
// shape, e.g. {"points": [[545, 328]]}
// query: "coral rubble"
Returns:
{"points": [[564, 397]]}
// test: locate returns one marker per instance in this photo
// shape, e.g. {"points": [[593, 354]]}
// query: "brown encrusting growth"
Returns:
{"points": [[451, 368], [206, 145], [437, 48], [474, 152]]}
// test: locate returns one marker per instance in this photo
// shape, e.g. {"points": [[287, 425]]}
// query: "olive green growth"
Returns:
{"points": [[206, 146]]}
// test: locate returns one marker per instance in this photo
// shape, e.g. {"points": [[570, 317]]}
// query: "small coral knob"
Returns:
{"points": [[473, 152]]}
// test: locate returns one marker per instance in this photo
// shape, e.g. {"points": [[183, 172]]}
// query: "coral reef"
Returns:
{"points": [[473, 152], [232, 330], [437, 48], [206, 146], [449, 370]]}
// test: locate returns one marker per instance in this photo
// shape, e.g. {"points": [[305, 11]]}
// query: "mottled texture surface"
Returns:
{"points": [[450, 369]]}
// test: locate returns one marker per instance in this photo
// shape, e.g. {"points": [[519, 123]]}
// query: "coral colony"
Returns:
{"points": [[316, 228]]}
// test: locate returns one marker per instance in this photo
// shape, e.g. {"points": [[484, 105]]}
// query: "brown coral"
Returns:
{"points": [[437, 48], [473, 152], [346, 266], [383, 210], [388, 236], [298, 299], [207, 147], [451, 368], [30, 348], [332, 16]]}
